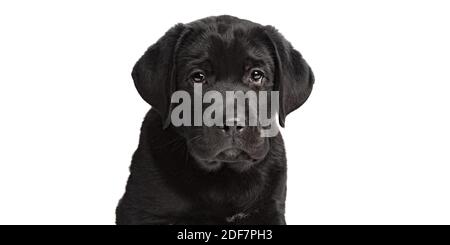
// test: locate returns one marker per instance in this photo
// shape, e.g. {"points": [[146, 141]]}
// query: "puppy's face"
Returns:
{"points": [[226, 59], [223, 54]]}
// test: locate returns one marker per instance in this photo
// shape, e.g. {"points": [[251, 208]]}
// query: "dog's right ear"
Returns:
{"points": [[154, 73]]}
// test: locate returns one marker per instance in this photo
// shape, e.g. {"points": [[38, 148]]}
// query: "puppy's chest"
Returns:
{"points": [[235, 199], [228, 204], [218, 213]]}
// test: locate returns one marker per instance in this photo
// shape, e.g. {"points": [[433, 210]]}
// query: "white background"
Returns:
{"points": [[370, 146]]}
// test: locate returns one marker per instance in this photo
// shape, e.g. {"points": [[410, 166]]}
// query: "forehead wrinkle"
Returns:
{"points": [[193, 48], [260, 55], [227, 49], [221, 33]]}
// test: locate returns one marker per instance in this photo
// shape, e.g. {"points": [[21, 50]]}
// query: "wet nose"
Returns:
{"points": [[232, 129], [233, 126]]}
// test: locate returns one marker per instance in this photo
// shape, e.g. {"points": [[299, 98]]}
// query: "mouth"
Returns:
{"points": [[233, 155], [232, 158]]}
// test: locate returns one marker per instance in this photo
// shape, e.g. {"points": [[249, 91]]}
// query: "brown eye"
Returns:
{"points": [[256, 76], [198, 77]]}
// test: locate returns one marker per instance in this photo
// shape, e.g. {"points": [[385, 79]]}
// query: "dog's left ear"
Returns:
{"points": [[294, 78]]}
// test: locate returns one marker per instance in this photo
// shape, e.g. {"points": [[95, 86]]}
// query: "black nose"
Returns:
{"points": [[232, 129], [232, 126]]}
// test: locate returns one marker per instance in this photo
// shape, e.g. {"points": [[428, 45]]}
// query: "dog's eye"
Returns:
{"points": [[198, 77], [256, 76]]}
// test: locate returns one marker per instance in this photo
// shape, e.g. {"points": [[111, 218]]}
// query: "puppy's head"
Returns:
{"points": [[216, 56]]}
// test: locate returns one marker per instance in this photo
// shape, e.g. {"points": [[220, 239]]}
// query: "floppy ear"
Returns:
{"points": [[154, 73], [294, 78]]}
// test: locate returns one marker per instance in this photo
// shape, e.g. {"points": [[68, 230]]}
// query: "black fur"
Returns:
{"points": [[173, 179]]}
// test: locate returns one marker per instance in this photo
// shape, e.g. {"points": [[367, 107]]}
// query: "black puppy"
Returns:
{"points": [[212, 175]]}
